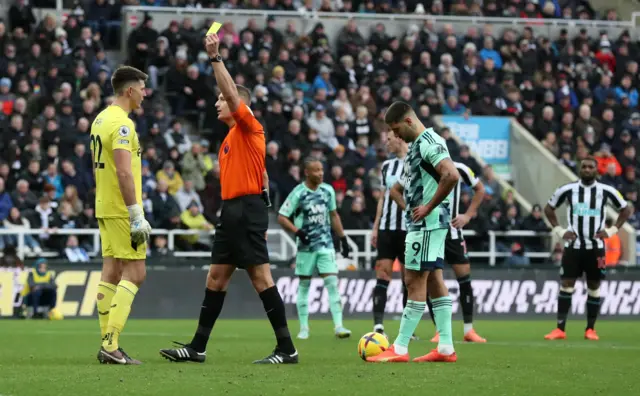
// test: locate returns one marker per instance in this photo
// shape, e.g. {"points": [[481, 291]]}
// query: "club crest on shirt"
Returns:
{"points": [[225, 149], [124, 131]]}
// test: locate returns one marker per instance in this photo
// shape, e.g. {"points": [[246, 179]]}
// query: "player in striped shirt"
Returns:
{"points": [[389, 231], [583, 241], [455, 251]]}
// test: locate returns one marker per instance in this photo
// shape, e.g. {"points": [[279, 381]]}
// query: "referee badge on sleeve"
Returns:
{"points": [[124, 131]]}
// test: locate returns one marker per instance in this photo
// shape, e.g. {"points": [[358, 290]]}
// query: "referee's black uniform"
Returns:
{"points": [[392, 228], [586, 215]]}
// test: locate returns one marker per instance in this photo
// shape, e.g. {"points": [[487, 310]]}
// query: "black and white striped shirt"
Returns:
{"points": [[586, 210], [392, 218], [469, 178]]}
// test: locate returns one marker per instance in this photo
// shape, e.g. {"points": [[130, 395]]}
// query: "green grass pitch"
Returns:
{"points": [[58, 358]]}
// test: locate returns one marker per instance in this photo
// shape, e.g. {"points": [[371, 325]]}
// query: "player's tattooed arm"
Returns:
{"points": [[396, 194], [478, 195], [376, 222]]}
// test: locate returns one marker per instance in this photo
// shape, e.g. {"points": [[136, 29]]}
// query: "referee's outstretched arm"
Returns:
{"points": [[223, 78]]}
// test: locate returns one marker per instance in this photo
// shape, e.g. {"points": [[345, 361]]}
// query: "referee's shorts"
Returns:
{"points": [[240, 233]]}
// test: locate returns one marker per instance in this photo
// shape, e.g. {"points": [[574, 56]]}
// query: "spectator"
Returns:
{"points": [[604, 158], [186, 195], [354, 218], [323, 125], [471, 162], [82, 181], [22, 197], [192, 219], [171, 177], [33, 176], [40, 290], [175, 137], [166, 212], [15, 222], [610, 176], [71, 196], [6, 203], [517, 258], [74, 252], [612, 248], [194, 167]]}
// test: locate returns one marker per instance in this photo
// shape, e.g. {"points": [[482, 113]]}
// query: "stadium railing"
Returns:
{"points": [[284, 246], [395, 24]]}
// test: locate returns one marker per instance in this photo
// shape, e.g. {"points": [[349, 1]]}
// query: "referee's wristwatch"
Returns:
{"points": [[216, 59]]}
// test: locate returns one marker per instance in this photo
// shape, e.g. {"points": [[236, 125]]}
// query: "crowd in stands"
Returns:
{"points": [[314, 98]]}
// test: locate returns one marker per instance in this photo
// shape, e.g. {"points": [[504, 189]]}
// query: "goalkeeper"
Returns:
{"points": [[124, 232]]}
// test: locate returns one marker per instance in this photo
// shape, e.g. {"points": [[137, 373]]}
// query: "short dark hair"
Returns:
{"points": [[589, 158], [396, 112], [126, 75], [245, 93], [310, 160]]}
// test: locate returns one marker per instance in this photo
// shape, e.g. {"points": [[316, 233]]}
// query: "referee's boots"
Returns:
{"points": [[279, 357], [183, 354]]}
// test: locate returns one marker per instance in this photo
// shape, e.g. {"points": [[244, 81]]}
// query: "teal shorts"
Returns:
{"points": [[324, 261], [424, 250]]}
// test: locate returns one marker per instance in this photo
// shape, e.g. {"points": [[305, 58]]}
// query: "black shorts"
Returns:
{"points": [[240, 234], [591, 262], [391, 245], [455, 251]]}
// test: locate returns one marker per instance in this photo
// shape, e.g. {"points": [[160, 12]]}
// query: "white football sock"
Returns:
{"points": [[468, 327], [400, 350], [445, 349]]}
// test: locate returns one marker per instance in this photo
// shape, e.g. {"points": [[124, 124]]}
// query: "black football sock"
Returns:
{"points": [[564, 305], [405, 293], [211, 308], [466, 298], [430, 305], [274, 307], [593, 309], [379, 300]]}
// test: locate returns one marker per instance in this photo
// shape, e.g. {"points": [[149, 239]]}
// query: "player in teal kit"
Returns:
{"points": [[310, 212], [429, 178]]}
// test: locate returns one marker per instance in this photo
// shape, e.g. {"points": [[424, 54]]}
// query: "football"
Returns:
{"points": [[372, 344]]}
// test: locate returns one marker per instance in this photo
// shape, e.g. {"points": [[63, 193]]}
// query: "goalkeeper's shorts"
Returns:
{"points": [[115, 237]]}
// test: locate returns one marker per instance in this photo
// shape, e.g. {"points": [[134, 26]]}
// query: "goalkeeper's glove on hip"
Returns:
{"points": [[140, 227]]}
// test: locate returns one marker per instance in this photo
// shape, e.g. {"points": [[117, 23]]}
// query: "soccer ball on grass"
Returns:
{"points": [[372, 344]]}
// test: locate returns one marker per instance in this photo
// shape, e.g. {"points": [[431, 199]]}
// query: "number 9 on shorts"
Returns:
{"points": [[424, 250]]}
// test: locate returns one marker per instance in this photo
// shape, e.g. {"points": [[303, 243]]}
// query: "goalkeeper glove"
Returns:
{"points": [[140, 228], [344, 244], [304, 238], [265, 197]]}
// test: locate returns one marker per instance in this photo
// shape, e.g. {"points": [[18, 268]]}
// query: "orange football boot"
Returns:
{"points": [[591, 334], [389, 356], [436, 338], [435, 356], [556, 334], [472, 336]]}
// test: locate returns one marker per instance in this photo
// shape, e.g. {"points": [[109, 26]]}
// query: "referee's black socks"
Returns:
{"points": [[211, 308], [274, 307]]}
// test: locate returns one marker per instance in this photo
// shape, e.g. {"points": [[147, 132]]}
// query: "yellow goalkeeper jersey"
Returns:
{"points": [[112, 130]]}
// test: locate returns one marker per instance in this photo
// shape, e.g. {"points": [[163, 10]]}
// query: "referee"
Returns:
{"points": [[240, 235], [584, 245]]}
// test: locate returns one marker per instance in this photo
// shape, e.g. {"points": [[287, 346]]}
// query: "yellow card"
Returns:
{"points": [[214, 28]]}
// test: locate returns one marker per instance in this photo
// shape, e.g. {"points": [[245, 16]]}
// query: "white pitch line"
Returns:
{"points": [[559, 344]]}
